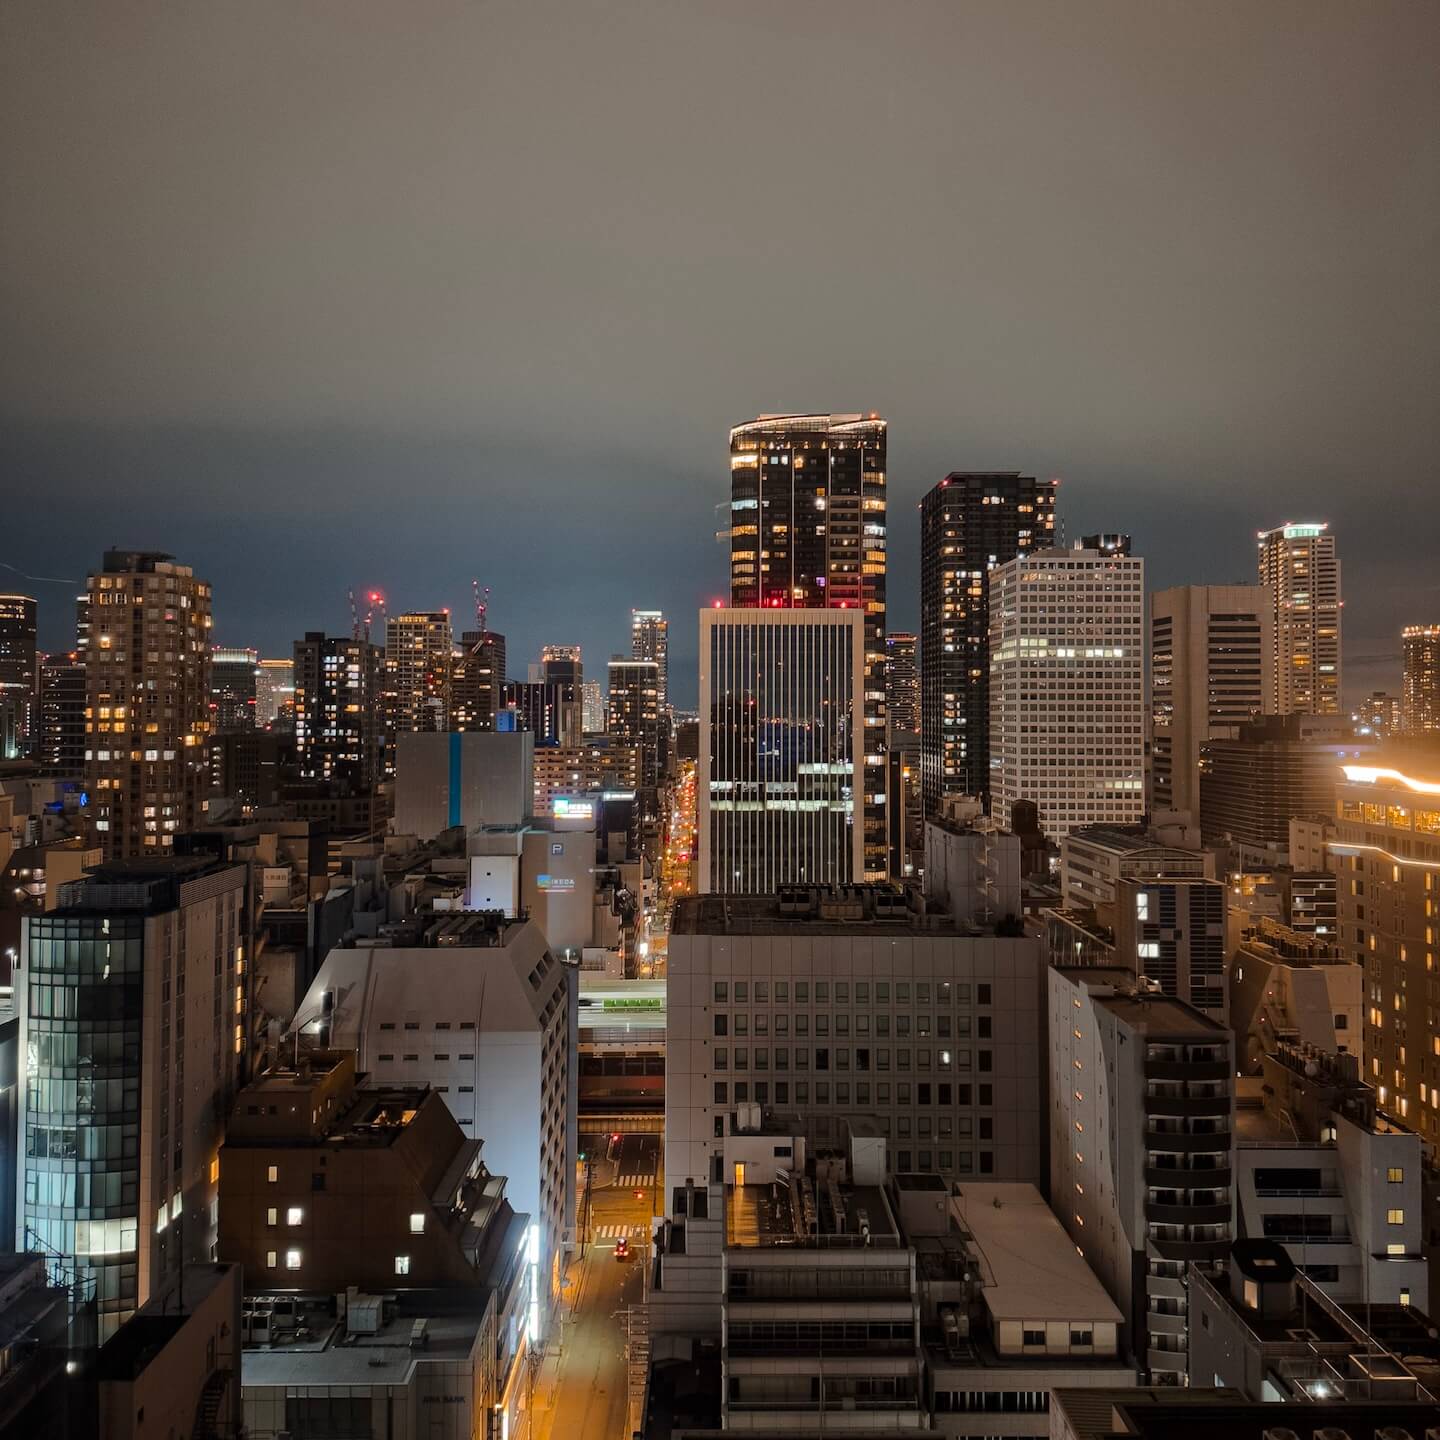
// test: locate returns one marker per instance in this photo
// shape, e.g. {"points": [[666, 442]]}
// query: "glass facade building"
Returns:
{"points": [[781, 749]]}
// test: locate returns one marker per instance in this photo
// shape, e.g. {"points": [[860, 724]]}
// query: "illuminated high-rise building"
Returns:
{"points": [[418, 656], [18, 689], [1299, 566], [147, 673], [1067, 668], [477, 680], [61, 740], [902, 683], [970, 522], [1422, 678], [592, 707], [808, 531], [275, 694], [338, 726], [782, 749], [234, 693], [650, 640], [1210, 672], [635, 716]]}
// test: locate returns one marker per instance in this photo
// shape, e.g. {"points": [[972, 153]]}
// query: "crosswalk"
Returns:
{"points": [[612, 1232], [635, 1182]]}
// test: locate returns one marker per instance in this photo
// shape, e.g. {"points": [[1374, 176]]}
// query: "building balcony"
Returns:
{"points": [[1175, 1177], [1158, 1324], [1174, 1361], [1187, 1214], [1199, 1250], [1187, 1105], [1186, 1144], [1187, 1069]]}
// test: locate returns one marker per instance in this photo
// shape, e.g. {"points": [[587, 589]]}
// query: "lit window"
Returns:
{"points": [[270, 1259], [1395, 1175], [417, 1224], [272, 1216], [1394, 1217], [294, 1215], [1394, 1249], [272, 1175], [402, 1264], [292, 1259]]}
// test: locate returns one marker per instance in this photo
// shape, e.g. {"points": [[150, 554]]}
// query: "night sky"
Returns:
{"points": [[328, 294]]}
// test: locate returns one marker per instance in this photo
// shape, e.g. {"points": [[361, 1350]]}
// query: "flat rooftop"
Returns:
{"points": [[1029, 1263], [858, 909], [770, 1217], [384, 1358], [1149, 1012]]}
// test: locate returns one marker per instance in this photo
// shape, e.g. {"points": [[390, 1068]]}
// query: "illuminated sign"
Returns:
{"points": [[554, 882], [566, 807], [1373, 774]]}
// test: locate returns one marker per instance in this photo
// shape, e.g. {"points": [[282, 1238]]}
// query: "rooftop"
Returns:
{"points": [[1147, 1011], [805, 1213], [127, 1353], [1028, 1262], [816, 910], [320, 1352]]}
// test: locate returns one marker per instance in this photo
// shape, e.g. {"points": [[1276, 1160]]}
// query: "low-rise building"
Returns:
{"points": [[1264, 1329], [173, 1368], [1094, 859], [1009, 1311], [1320, 1171], [477, 1007]]}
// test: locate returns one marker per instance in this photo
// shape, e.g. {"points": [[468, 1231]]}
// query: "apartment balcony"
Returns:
{"points": [[1187, 1069], [1186, 1144], [1158, 1324], [1174, 1177], [1198, 1250], [1216, 1105], [1175, 1361], [1187, 1214]]}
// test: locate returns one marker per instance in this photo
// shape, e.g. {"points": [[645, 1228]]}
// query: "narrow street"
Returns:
{"points": [[581, 1391]]}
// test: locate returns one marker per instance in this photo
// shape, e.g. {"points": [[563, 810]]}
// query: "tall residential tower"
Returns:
{"points": [[1299, 566], [147, 674], [969, 524]]}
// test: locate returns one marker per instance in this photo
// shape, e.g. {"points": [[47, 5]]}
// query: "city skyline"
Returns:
{"points": [[1077, 309]]}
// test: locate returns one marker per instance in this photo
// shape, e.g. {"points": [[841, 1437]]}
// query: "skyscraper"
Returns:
{"points": [[477, 680], [635, 715], [1067, 725], [234, 694], [338, 728], [147, 673], [275, 694], [1210, 671], [650, 640], [782, 753], [807, 531], [61, 747], [1422, 678], [969, 523], [562, 670], [418, 648], [902, 683], [592, 707], [18, 690], [1299, 565]]}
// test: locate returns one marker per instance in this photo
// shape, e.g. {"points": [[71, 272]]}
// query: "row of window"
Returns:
{"points": [[945, 992]]}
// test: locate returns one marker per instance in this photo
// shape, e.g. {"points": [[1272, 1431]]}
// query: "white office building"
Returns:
{"points": [[1299, 567], [1067, 664], [479, 1008]]}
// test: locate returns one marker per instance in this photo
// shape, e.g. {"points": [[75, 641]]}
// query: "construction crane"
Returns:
{"points": [[374, 600], [482, 605]]}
